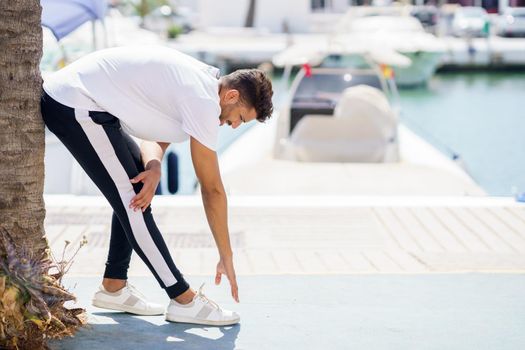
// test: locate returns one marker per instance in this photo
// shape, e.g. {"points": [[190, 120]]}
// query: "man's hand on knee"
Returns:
{"points": [[150, 179]]}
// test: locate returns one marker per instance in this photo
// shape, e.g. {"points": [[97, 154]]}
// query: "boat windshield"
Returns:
{"points": [[330, 86]]}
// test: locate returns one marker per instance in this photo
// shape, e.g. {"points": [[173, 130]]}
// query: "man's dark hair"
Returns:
{"points": [[255, 90]]}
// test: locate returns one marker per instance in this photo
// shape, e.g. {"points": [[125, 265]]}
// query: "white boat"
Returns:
{"points": [[226, 47], [346, 142], [356, 101], [403, 34]]}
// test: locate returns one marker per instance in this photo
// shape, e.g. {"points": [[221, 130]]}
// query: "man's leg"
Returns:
{"points": [[120, 249], [119, 256]]}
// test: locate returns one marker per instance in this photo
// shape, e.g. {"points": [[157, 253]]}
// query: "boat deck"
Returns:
{"points": [[281, 177], [313, 234]]}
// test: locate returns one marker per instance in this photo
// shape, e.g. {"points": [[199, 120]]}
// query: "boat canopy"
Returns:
{"points": [[64, 16]]}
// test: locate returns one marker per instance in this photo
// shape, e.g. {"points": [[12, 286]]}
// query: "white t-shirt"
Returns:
{"points": [[157, 93]]}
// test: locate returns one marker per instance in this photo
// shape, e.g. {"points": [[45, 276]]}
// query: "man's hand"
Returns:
{"points": [[150, 179], [225, 266]]}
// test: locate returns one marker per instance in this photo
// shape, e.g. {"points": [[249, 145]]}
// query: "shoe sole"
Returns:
{"points": [[120, 307], [182, 319]]}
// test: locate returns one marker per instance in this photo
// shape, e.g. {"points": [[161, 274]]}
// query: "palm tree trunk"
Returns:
{"points": [[22, 208]]}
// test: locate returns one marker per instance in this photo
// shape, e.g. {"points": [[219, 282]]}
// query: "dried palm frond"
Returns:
{"points": [[31, 300]]}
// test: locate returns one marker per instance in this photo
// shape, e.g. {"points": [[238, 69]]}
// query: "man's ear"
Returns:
{"points": [[232, 96]]}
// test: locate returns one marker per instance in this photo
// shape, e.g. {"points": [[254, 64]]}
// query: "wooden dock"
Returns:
{"points": [[313, 235]]}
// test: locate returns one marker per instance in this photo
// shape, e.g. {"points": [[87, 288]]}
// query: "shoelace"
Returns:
{"points": [[201, 295]]}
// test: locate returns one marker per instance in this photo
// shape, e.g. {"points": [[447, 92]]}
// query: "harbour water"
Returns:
{"points": [[478, 115]]}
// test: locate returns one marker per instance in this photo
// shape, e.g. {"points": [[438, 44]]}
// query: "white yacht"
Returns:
{"points": [[364, 30], [402, 34], [339, 134]]}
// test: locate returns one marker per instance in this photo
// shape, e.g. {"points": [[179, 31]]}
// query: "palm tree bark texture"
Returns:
{"points": [[22, 209]]}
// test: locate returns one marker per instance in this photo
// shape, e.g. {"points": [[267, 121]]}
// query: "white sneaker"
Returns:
{"points": [[201, 310], [127, 299]]}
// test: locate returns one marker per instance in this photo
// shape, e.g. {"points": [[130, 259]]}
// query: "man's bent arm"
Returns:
{"points": [[151, 153], [214, 199]]}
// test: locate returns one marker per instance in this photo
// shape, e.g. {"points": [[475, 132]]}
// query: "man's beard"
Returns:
{"points": [[224, 115], [222, 118]]}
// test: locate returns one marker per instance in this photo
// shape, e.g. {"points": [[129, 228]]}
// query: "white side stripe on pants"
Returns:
{"points": [[104, 149]]}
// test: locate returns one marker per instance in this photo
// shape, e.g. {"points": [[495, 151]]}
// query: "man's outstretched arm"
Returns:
{"points": [[151, 154], [214, 199]]}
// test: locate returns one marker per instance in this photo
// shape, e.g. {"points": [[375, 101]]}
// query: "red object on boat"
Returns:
{"points": [[307, 70]]}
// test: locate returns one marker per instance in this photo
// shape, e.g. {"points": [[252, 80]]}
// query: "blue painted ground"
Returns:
{"points": [[431, 311]]}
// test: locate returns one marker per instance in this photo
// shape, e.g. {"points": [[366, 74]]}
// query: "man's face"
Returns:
{"points": [[233, 111]]}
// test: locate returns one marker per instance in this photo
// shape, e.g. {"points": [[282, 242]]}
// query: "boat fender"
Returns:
{"points": [[172, 163]]}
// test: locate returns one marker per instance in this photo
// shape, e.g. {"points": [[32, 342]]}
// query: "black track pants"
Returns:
{"points": [[111, 158]]}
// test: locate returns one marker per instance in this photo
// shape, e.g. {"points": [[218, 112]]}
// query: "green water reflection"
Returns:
{"points": [[481, 116]]}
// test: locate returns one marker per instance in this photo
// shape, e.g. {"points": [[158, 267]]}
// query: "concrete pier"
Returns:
{"points": [[318, 272]]}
